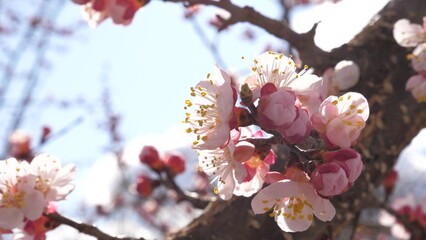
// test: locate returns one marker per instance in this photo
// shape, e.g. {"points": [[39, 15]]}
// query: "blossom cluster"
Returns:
{"points": [[172, 164], [120, 11], [27, 190], [408, 34], [235, 127]]}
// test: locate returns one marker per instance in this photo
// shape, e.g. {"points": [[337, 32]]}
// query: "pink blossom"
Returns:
{"points": [[120, 11], [222, 167], [329, 179], [36, 230], [276, 110], [275, 68], [299, 129], [256, 171], [53, 180], [341, 119], [313, 99], [408, 34], [348, 159], [18, 198], [417, 86], [211, 110], [123, 11], [292, 204]]}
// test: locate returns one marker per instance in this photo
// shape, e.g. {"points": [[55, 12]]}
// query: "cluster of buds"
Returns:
{"points": [[120, 11], [172, 164], [236, 127], [27, 190], [410, 35]]}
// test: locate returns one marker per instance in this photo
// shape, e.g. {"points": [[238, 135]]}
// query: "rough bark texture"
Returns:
{"points": [[394, 120]]}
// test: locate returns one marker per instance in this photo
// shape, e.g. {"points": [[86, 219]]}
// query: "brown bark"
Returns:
{"points": [[395, 119]]}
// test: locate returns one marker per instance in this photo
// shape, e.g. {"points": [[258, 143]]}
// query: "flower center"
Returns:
{"points": [[204, 115], [12, 198]]}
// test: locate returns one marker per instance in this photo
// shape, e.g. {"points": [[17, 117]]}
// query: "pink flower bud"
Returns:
{"points": [[149, 156], [299, 129], [175, 163], [348, 159], [329, 179], [276, 109], [144, 186], [390, 180]]}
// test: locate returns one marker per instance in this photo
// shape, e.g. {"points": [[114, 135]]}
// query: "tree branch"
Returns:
{"points": [[304, 43], [196, 200], [86, 228]]}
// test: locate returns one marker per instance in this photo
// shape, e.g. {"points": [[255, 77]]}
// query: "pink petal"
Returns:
{"points": [[243, 151]]}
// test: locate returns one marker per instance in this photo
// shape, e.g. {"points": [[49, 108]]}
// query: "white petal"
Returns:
{"points": [[10, 218], [407, 34]]}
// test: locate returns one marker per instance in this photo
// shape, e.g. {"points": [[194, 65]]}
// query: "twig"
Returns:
{"points": [[60, 133], [209, 44], [196, 200], [86, 228]]}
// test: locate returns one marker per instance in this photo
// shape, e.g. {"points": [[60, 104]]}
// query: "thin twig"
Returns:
{"points": [[60, 133], [209, 44], [86, 228], [196, 200]]}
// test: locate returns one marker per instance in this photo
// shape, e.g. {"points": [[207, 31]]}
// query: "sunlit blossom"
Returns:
{"points": [[222, 167], [293, 205], [18, 198], [53, 180], [272, 67], [210, 110], [341, 119]]}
